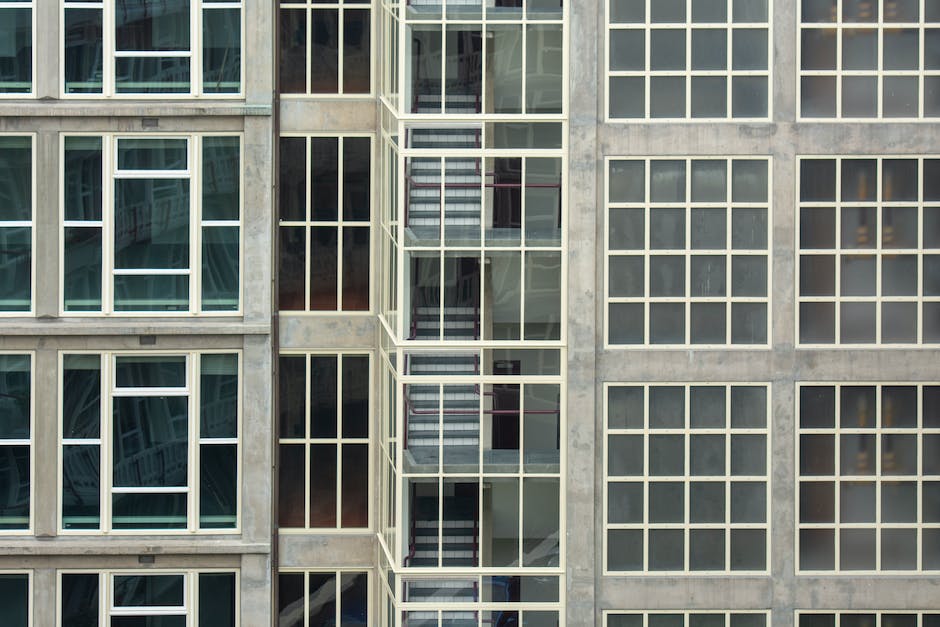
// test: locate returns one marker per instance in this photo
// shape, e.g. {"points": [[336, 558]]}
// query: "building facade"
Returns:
{"points": [[453, 313]]}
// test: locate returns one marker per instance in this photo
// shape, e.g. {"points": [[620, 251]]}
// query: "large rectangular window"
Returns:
{"points": [[163, 48], [323, 598], [678, 618], [150, 442], [688, 255], [151, 224], [16, 222], [864, 60], [16, 51], [687, 478], [325, 209], [324, 441], [16, 431], [704, 60], [325, 47], [869, 251], [869, 478], [152, 598]]}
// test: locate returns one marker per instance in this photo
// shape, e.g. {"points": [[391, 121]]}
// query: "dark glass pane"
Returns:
{"points": [[148, 591], [544, 69], [322, 485], [356, 268], [14, 487], [146, 25], [324, 178], [151, 75], [151, 223], [291, 269], [357, 178], [355, 483], [79, 600], [150, 441], [357, 52], [150, 371], [221, 50], [152, 154], [82, 268], [463, 69], [323, 268], [817, 179], [291, 470], [218, 486], [292, 35], [354, 600], [290, 599], [221, 177], [817, 407], [217, 600], [292, 164], [324, 51], [16, 168], [218, 396], [151, 293], [15, 268], [292, 396], [14, 396], [84, 51], [355, 396], [220, 268], [322, 600], [148, 511], [82, 182], [81, 396], [16, 56], [323, 401], [81, 487], [148, 621]]}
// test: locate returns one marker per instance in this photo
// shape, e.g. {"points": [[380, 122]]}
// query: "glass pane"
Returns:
{"points": [[291, 268], [357, 178], [291, 467], [220, 268], [504, 69], [14, 487], [218, 486], [323, 268], [292, 204], [540, 522], [81, 396], [81, 487], [357, 52], [221, 50], [323, 401], [150, 441], [324, 51], [84, 51], [541, 428], [355, 485], [14, 397], [151, 223], [322, 485], [322, 600], [152, 75], [16, 55], [152, 154], [15, 269], [217, 599], [543, 202], [542, 296], [354, 591], [148, 621], [292, 396], [80, 599], [148, 511], [150, 371], [146, 25], [221, 177], [500, 542], [324, 178], [83, 177], [356, 386], [16, 169], [148, 590], [151, 293], [544, 69], [292, 36], [356, 268], [290, 599]]}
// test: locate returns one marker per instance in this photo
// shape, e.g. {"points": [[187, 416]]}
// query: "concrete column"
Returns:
{"points": [[46, 222]]}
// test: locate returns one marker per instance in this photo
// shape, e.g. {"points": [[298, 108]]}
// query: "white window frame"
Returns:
{"points": [[341, 7], [875, 250], [109, 53], [647, 26], [876, 478], [645, 614], [686, 432], [688, 253], [197, 223], [29, 591], [337, 574], [838, 614], [338, 224], [337, 441], [31, 5], [30, 442], [107, 610], [879, 25], [104, 442], [31, 224]]}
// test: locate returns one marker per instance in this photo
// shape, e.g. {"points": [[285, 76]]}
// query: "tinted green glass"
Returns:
{"points": [[142, 371], [151, 223], [218, 396], [148, 590], [218, 486], [81, 396], [81, 487], [152, 75], [221, 51], [146, 25], [16, 55], [150, 441], [152, 154], [151, 293], [221, 177], [16, 181], [14, 397], [84, 53], [79, 600], [83, 180], [217, 599], [148, 511], [14, 599], [220, 268], [14, 487], [82, 269], [544, 70], [15, 268]]}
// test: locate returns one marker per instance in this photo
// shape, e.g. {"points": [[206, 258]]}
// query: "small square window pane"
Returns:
{"points": [[817, 407], [625, 407], [748, 276], [667, 502], [707, 407], [707, 455], [707, 502], [817, 275], [627, 276], [708, 323], [899, 406], [749, 51], [627, 11], [748, 502], [901, 97], [817, 323], [667, 323], [749, 180], [899, 502], [859, 225], [931, 275], [748, 549], [899, 275], [930, 493], [859, 96], [817, 502], [932, 96], [667, 276], [709, 228], [667, 181], [624, 620], [857, 454], [666, 455], [751, 619], [818, 10], [749, 97], [818, 48], [748, 406], [708, 620], [857, 322], [748, 455], [818, 96], [749, 323], [709, 10], [709, 97], [708, 275], [901, 49], [667, 229], [817, 180], [665, 620], [749, 10], [859, 48], [709, 49], [624, 455], [626, 180], [667, 11], [817, 228], [667, 96], [625, 503], [625, 323], [627, 97], [898, 224], [858, 275], [666, 407], [930, 558], [709, 180], [627, 230], [932, 49], [931, 313], [627, 50], [859, 11], [898, 552], [902, 11], [707, 552], [857, 549], [667, 49], [856, 502], [625, 549], [667, 549], [817, 549]]}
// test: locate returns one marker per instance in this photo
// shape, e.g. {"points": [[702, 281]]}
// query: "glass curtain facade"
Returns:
{"points": [[472, 230]]}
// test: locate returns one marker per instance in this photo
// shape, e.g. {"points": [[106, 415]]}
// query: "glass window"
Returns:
{"points": [[153, 598], [16, 420], [133, 48], [686, 619], [324, 437], [711, 61], [862, 59], [15, 593], [323, 598], [325, 47], [688, 256], [869, 479], [687, 473], [167, 240], [16, 49], [325, 216], [167, 426], [869, 251], [16, 222]]}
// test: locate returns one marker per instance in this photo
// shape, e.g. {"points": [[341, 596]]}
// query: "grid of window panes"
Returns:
{"points": [[206, 598], [863, 618], [322, 598], [165, 429], [151, 224], [16, 53], [688, 252], [711, 618], [688, 59], [869, 59], [325, 47], [15, 593], [470, 57], [869, 250], [15, 442], [16, 222], [687, 478], [325, 210], [869, 478], [323, 469], [135, 48]]}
